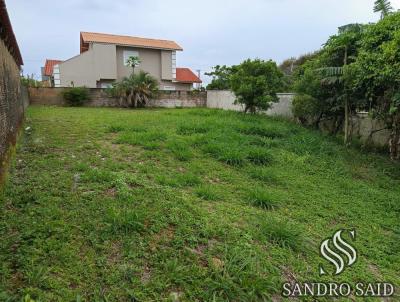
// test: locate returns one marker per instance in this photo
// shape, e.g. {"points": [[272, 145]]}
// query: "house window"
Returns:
{"points": [[170, 88], [129, 53], [174, 65]]}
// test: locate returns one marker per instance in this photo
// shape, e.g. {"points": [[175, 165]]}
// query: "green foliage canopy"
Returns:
{"points": [[255, 84]]}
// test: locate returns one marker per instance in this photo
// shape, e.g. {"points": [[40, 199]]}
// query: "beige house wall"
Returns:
{"points": [[150, 62], [106, 62], [99, 62], [166, 65]]}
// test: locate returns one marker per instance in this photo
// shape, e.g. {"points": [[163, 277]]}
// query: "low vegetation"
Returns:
{"points": [[186, 205], [75, 96], [356, 70]]}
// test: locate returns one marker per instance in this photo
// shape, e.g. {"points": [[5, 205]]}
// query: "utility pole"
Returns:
{"points": [[199, 76]]}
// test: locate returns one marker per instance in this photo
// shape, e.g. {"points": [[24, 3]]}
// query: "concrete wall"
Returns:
{"points": [[99, 98], [12, 105], [225, 99]]}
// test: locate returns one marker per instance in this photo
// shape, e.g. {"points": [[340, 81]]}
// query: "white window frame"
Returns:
{"points": [[169, 88], [129, 53], [173, 59]]}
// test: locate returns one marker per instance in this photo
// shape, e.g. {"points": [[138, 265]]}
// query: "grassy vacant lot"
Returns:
{"points": [[186, 205]]}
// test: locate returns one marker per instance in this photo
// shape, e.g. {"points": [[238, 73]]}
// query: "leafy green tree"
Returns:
{"points": [[133, 61], [384, 7], [135, 90], [376, 74], [324, 78], [255, 84], [220, 77], [340, 50]]}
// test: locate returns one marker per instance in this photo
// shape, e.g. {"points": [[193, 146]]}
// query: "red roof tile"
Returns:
{"points": [[49, 66], [185, 75], [7, 34]]}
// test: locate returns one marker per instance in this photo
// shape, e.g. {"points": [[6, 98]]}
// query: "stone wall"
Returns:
{"points": [[12, 104], [99, 98], [224, 99]]}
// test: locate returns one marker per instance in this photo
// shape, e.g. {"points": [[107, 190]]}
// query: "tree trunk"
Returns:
{"points": [[346, 121], [346, 106], [394, 142]]}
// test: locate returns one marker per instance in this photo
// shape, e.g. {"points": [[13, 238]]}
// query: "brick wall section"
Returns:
{"points": [[99, 98], [12, 104]]}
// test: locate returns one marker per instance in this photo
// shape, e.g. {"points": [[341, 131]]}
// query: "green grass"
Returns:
{"points": [[189, 204]]}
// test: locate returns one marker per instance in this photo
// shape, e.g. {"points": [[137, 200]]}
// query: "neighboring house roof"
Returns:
{"points": [[88, 37], [7, 34], [185, 75], [49, 66]]}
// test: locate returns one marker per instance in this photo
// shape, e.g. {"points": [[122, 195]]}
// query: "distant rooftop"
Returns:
{"points": [[49, 66], [185, 75], [89, 37]]}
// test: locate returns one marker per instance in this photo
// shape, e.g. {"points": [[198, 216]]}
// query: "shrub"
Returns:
{"points": [[306, 108], [75, 96]]}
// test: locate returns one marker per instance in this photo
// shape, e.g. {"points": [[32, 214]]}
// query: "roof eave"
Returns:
{"points": [[12, 43], [136, 46]]}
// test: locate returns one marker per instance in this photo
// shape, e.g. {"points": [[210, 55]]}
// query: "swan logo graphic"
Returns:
{"points": [[338, 252]]}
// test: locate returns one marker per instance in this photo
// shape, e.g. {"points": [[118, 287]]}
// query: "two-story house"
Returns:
{"points": [[103, 60]]}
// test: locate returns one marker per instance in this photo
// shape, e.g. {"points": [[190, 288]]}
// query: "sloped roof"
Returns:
{"points": [[185, 75], [87, 37], [49, 66], [7, 35]]}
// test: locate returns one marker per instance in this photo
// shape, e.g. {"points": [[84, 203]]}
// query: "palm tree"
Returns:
{"points": [[384, 7], [133, 61], [136, 90]]}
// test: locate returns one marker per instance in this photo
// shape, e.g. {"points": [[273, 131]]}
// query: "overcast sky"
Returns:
{"points": [[210, 31]]}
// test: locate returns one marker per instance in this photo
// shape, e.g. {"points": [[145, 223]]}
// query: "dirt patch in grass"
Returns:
{"points": [[162, 237]]}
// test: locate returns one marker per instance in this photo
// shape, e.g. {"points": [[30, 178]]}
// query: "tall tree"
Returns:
{"points": [[343, 49], [384, 7], [220, 77], [255, 84]]}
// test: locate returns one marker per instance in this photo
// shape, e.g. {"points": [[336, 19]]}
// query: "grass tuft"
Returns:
{"points": [[263, 174], [260, 156], [259, 197], [206, 192], [190, 129], [124, 221], [283, 233], [271, 131], [180, 149]]}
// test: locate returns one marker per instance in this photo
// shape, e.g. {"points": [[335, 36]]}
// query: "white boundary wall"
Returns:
{"points": [[224, 99]]}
